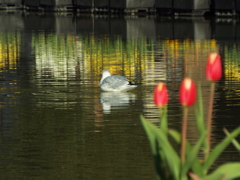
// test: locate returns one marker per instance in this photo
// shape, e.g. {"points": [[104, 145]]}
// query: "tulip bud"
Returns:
{"points": [[214, 67], [161, 95], [187, 92]]}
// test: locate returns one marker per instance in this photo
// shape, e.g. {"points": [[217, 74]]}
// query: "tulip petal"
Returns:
{"points": [[160, 95], [187, 92], [214, 67]]}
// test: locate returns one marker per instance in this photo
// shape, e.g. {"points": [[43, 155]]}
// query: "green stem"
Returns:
{"points": [[209, 118], [160, 116], [160, 111], [184, 134]]}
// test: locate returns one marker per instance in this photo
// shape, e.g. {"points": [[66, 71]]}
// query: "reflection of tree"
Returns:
{"points": [[9, 50], [118, 56], [56, 56], [232, 68], [59, 57]]}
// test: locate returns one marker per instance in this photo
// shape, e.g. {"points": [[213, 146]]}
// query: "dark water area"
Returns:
{"points": [[55, 123]]}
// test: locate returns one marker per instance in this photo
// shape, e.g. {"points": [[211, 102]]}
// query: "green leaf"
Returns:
{"points": [[160, 164], [158, 155], [227, 171], [194, 176], [199, 112], [234, 141], [192, 155], [150, 134], [164, 120], [199, 116], [197, 166], [219, 149], [170, 154]]}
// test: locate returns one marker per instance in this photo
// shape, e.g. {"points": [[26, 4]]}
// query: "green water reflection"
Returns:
{"points": [[56, 123]]}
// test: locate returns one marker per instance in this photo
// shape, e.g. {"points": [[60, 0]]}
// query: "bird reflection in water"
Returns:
{"points": [[116, 100]]}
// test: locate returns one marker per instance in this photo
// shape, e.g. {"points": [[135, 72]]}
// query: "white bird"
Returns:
{"points": [[115, 82]]}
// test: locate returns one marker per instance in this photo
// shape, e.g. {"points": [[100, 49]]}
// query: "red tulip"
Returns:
{"points": [[161, 95], [187, 92], [214, 67]]}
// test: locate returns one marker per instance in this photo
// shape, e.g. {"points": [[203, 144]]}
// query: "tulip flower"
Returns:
{"points": [[187, 92], [160, 95], [214, 67], [187, 98], [213, 73]]}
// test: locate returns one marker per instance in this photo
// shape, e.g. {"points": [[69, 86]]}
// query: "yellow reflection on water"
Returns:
{"points": [[117, 55], [186, 57], [70, 56], [9, 49], [232, 68], [73, 56], [232, 74], [56, 56]]}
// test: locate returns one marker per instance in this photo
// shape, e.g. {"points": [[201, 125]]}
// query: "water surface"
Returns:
{"points": [[55, 121]]}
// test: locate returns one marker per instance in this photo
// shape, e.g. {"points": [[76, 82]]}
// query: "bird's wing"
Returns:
{"points": [[115, 81]]}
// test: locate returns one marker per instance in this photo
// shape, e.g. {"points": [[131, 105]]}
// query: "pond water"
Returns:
{"points": [[55, 123]]}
